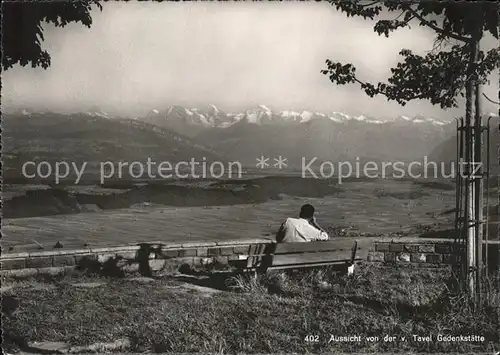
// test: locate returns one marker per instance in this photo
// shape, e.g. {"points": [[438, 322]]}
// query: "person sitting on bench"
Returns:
{"points": [[302, 229]]}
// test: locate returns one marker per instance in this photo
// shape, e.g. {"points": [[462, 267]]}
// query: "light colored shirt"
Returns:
{"points": [[299, 230]]}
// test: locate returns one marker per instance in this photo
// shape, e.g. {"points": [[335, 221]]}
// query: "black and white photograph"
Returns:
{"points": [[250, 177]]}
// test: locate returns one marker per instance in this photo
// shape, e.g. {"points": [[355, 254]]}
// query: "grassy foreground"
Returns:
{"points": [[274, 314]]}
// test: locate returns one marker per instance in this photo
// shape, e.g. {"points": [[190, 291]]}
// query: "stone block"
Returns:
{"points": [[405, 257], [434, 258], [39, 262], [156, 264], [201, 251], [105, 250], [22, 255], [39, 254], [187, 252], [72, 251], [229, 242], [13, 264], [417, 258], [410, 248], [243, 249], [64, 260], [383, 247], [170, 253], [127, 248], [213, 252], [199, 244], [389, 257], [376, 256], [396, 247], [442, 248], [226, 251], [179, 261], [426, 248]]}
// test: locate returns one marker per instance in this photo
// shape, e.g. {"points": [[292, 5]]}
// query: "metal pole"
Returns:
{"points": [[487, 219], [463, 200], [469, 145], [478, 192], [498, 206], [457, 181]]}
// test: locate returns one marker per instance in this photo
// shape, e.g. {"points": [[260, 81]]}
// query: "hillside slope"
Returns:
{"points": [[446, 151], [82, 138], [325, 140]]}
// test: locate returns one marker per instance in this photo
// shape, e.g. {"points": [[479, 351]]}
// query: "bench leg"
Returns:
{"points": [[350, 269]]}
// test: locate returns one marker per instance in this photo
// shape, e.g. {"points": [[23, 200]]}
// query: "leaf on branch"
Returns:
{"points": [[357, 8], [386, 26], [22, 31], [439, 78]]}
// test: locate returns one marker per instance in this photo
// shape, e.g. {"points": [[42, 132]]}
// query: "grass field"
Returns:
{"points": [[274, 314], [224, 211], [279, 313]]}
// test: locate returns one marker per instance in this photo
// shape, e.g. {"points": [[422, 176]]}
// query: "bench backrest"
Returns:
{"points": [[284, 255]]}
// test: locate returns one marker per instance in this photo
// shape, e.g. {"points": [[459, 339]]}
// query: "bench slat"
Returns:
{"points": [[310, 247], [307, 258], [329, 245], [329, 263]]}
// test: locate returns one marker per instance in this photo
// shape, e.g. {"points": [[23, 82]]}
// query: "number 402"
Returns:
{"points": [[312, 338]]}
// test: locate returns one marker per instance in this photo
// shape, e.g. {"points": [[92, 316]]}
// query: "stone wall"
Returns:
{"points": [[158, 257], [424, 251], [413, 251]]}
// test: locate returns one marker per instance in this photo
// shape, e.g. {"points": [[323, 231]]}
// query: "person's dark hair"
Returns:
{"points": [[306, 211]]}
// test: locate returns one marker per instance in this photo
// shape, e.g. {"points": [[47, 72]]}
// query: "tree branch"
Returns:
{"points": [[436, 28], [401, 14], [490, 100], [370, 4]]}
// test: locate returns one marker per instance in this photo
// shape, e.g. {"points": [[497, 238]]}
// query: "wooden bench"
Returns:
{"points": [[341, 253]]}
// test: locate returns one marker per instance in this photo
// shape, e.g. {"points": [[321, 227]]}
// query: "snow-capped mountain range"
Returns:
{"points": [[245, 135], [211, 116], [334, 135]]}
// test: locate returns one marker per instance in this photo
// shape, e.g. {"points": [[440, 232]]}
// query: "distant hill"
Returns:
{"points": [[181, 134], [446, 151], [89, 138]]}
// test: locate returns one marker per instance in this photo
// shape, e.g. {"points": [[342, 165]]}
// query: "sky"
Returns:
{"points": [[142, 56]]}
